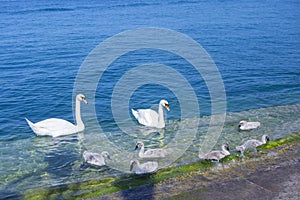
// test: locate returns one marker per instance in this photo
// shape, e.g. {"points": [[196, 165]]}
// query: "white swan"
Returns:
{"points": [[150, 117], [145, 168], [95, 158], [244, 125], [217, 155], [152, 153], [56, 127], [252, 144]]}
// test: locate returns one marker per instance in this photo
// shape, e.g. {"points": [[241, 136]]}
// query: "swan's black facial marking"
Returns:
{"points": [[241, 123], [167, 106], [226, 145], [138, 144], [106, 154], [83, 99]]}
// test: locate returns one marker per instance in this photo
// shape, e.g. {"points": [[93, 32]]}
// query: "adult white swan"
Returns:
{"points": [[57, 127], [150, 117]]}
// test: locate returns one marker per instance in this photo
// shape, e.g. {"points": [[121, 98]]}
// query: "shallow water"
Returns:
{"points": [[43, 162], [255, 46]]}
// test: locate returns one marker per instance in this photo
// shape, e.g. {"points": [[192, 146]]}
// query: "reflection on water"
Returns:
{"points": [[44, 161]]}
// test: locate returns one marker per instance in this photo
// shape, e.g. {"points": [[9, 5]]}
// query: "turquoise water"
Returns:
{"points": [[255, 46]]}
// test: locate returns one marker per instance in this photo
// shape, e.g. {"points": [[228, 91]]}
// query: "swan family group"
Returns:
{"points": [[58, 127]]}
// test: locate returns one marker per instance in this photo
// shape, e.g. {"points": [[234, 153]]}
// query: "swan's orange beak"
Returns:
{"points": [[167, 107]]}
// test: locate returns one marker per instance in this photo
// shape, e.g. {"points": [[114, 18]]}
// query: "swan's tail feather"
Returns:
{"points": [[135, 113], [31, 125]]}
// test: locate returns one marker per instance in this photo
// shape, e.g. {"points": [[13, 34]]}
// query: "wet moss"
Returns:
{"points": [[281, 141], [71, 190], [90, 189]]}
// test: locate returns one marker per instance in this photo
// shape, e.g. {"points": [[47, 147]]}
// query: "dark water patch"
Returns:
{"points": [[37, 11], [7, 194]]}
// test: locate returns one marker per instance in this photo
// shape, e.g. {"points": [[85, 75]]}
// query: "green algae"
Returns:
{"points": [[281, 141], [91, 189]]}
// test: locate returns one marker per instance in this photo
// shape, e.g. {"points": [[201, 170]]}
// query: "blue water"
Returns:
{"points": [[254, 44]]}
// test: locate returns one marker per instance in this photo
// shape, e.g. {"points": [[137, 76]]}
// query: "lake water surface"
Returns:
{"points": [[255, 46]]}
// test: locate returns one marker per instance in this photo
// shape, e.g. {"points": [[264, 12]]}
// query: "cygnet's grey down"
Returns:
{"points": [[252, 144], [95, 158], [217, 155], [244, 125], [152, 153], [145, 168]]}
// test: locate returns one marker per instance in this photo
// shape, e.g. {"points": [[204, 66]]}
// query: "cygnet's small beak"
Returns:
{"points": [[167, 107], [109, 157], [136, 146]]}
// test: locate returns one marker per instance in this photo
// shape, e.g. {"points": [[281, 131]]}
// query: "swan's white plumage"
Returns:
{"points": [[146, 117], [53, 126], [57, 127], [151, 118]]}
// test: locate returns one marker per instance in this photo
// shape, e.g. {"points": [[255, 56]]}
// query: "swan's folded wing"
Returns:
{"points": [[251, 144], [214, 155], [147, 117], [147, 167], [93, 158], [55, 127], [40, 130], [135, 113], [55, 124], [253, 125], [157, 153], [153, 153]]}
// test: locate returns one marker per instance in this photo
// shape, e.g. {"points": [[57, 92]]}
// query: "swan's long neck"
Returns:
{"points": [[264, 140], [79, 123], [225, 150], [161, 121], [142, 151]]}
